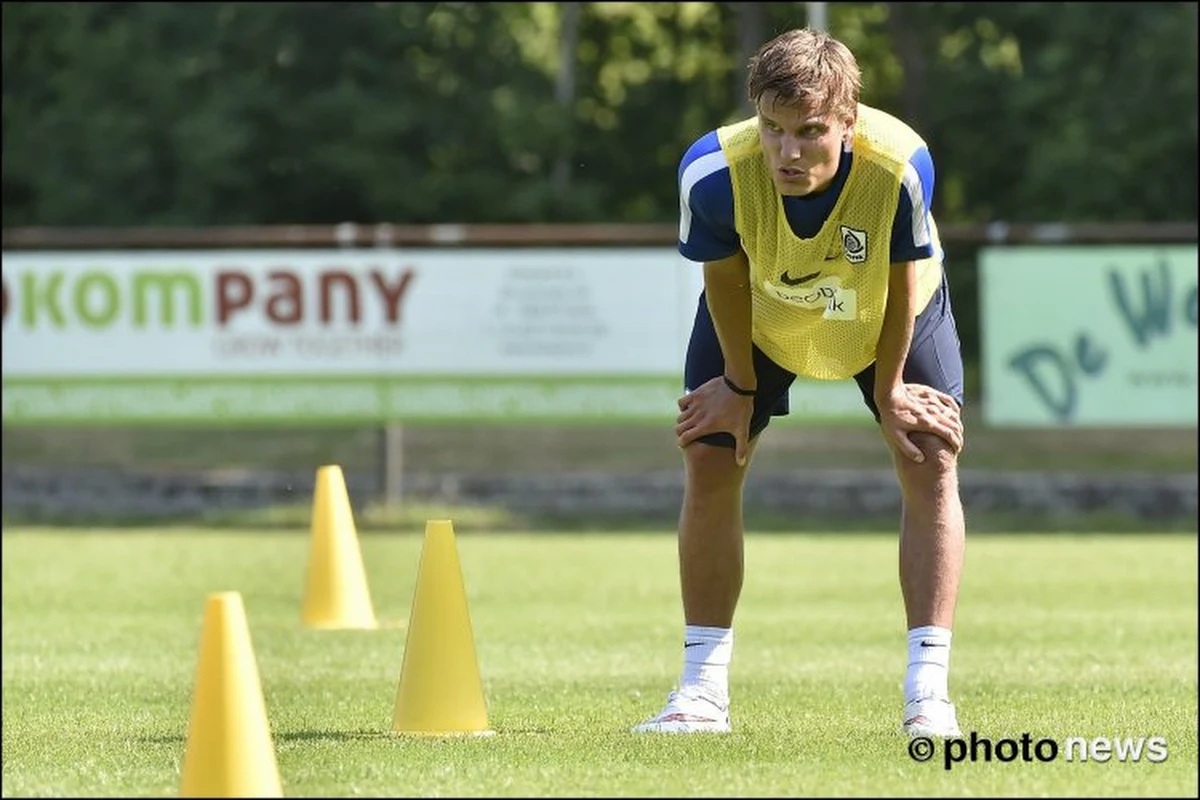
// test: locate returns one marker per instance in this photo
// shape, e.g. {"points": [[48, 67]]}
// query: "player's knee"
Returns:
{"points": [[711, 467], [940, 464]]}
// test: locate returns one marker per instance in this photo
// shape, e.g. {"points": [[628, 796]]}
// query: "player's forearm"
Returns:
{"points": [[894, 339], [727, 291]]}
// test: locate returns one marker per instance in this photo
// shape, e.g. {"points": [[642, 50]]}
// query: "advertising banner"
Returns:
{"points": [[1089, 336], [355, 336]]}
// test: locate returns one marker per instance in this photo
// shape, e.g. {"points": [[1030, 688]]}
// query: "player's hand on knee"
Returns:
{"points": [[943, 407], [714, 408], [915, 411], [933, 396]]}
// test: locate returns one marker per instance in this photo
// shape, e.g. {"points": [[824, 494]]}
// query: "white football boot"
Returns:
{"points": [[688, 711], [931, 716]]}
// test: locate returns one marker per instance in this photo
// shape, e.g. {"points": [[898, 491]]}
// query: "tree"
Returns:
{"points": [[254, 113]]}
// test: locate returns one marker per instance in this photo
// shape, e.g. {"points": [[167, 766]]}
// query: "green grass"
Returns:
{"points": [[495, 517], [578, 638]]}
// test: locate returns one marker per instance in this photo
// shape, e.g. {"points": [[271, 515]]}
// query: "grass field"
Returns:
{"points": [[578, 637]]}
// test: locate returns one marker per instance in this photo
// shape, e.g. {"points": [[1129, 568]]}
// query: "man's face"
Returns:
{"points": [[802, 146]]}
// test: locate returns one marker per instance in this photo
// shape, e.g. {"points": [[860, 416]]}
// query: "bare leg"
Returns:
{"points": [[711, 565], [710, 576], [932, 534]]}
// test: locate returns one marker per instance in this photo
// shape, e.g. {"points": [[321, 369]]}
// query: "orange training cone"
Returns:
{"points": [[440, 691], [336, 595], [229, 748]]}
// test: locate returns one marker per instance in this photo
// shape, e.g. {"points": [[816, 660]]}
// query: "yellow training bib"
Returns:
{"points": [[818, 303]]}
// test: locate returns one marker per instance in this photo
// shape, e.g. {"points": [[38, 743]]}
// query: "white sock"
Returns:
{"points": [[706, 655], [928, 663]]}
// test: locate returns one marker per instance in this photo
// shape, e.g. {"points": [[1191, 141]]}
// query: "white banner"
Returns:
{"points": [[353, 334], [549, 312]]}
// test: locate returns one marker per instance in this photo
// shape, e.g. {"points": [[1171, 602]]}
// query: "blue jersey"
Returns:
{"points": [[706, 226]]}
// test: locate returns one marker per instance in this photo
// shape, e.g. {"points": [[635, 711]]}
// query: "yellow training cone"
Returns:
{"points": [[336, 595], [440, 689], [229, 748]]}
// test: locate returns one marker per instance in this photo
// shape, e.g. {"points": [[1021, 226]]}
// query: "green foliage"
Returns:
{"points": [[1064, 111], [256, 113]]}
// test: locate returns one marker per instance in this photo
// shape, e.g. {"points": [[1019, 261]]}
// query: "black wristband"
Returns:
{"points": [[733, 387]]}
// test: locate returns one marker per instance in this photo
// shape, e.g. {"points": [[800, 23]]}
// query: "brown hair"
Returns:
{"points": [[806, 66]]}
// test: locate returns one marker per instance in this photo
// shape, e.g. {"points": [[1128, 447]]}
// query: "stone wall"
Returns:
{"points": [[32, 493]]}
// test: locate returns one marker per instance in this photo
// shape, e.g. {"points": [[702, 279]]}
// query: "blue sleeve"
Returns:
{"points": [[706, 227], [911, 237]]}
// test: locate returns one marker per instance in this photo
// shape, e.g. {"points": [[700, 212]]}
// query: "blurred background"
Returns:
{"points": [[434, 243]]}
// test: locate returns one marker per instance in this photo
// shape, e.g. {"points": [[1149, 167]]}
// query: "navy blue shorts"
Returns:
{"points": [[934, 359]]}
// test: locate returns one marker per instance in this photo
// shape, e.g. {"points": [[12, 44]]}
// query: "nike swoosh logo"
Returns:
{"points": [[692, 644], [931, 644], [788, 280]]}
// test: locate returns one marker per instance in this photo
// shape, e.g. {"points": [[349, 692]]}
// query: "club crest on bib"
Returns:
{"points": [[854, 244]]}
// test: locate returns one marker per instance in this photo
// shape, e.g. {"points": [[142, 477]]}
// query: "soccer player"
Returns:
{"points": [[822, 259]]}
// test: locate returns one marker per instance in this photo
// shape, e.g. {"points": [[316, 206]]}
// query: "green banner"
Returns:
{"points": [[1101, 336]]}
